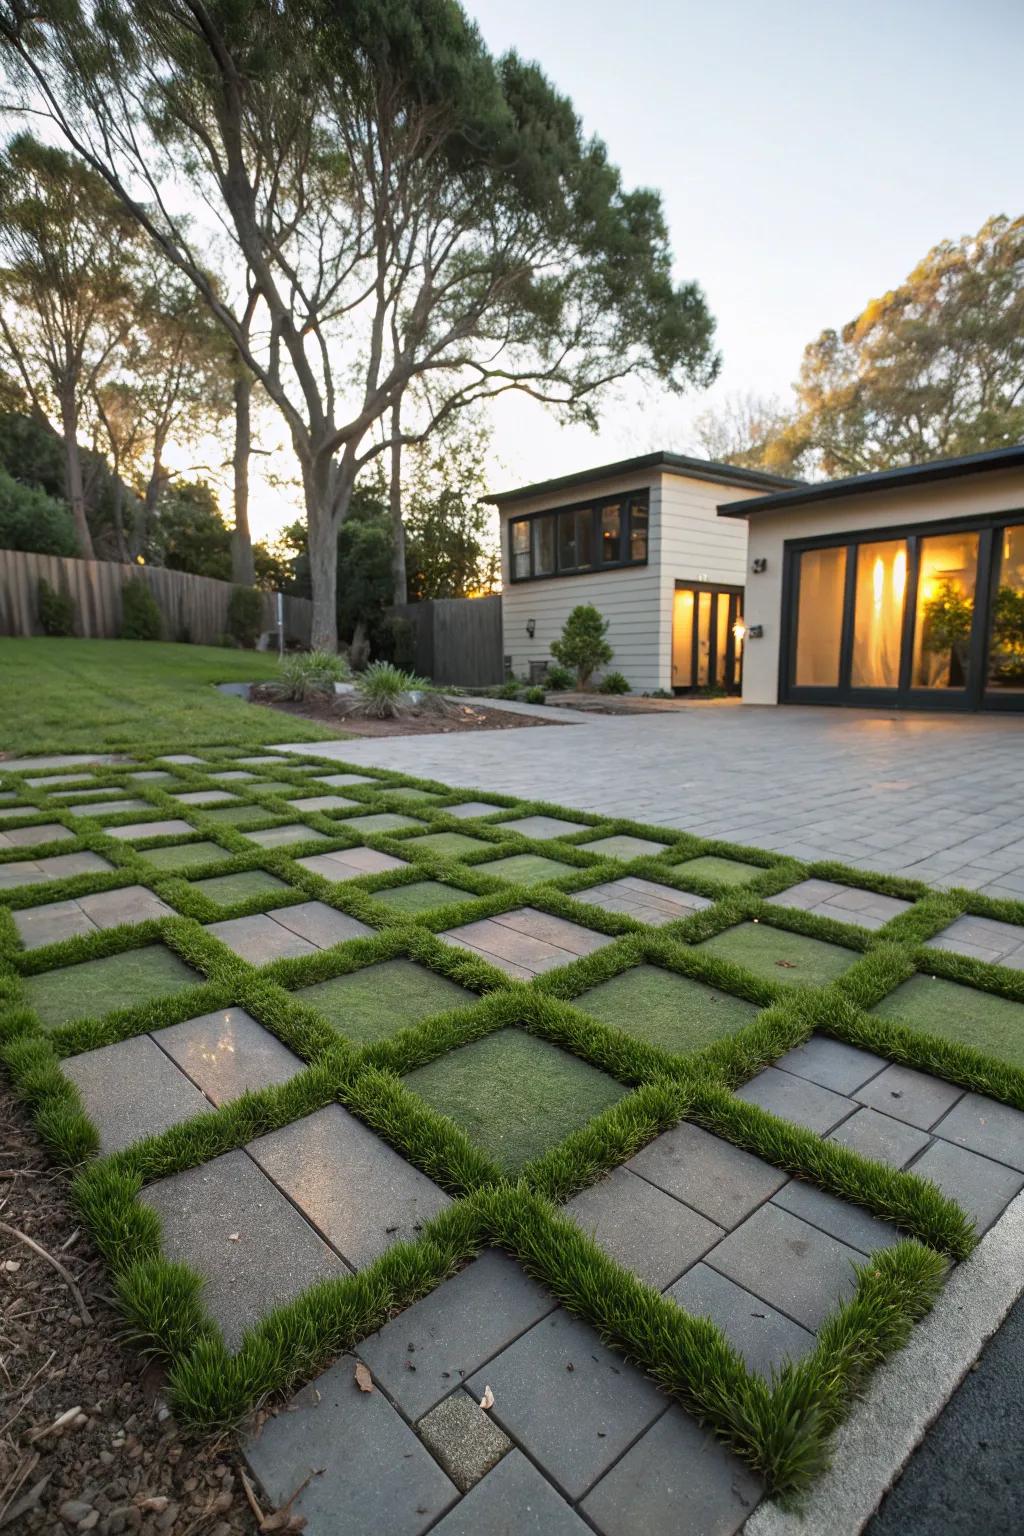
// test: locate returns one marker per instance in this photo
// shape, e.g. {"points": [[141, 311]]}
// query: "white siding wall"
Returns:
{"points": [[769, 531]]}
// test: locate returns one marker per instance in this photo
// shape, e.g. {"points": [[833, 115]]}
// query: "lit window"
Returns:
{"points": [[543, 546], [520, 549], [637, 533], [611, 534]]}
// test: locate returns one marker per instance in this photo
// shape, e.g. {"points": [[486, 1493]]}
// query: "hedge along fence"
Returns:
{"points": [[192, 607]]}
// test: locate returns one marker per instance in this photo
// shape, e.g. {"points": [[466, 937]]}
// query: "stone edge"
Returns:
{"points": [[908, 1392]]}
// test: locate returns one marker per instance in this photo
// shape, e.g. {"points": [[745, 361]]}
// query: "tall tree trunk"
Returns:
{"points": [[147, 507], [122, 547], [318, 480], [73, 477], [399, 581], [243, 571]]}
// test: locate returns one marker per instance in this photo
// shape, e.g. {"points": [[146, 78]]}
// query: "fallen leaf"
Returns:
{"points": [[364, 1381], [487, 1401], [234, 1237], [788, 965], [12, 1266]]}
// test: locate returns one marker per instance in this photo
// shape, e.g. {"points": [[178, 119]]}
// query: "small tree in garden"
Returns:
{"points": [[140, 616], [582, 645]]}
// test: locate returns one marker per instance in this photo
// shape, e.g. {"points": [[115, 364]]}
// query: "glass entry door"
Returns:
{"points": [[1004, 680], [707, 638]]}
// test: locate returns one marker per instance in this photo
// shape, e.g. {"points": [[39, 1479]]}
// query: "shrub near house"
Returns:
{"points": [[582, 646]]}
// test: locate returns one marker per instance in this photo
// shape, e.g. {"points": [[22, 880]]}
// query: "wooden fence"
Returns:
{"points": [[193, 608], [456, 639]]}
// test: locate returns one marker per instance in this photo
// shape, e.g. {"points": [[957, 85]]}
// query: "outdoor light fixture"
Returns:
{"points": [[739, 629], [759, 566], [531, 627], [755, 632]]}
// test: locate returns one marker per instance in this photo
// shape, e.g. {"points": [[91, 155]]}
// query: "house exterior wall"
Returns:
{"points": [[687, 541], [769, 532]]}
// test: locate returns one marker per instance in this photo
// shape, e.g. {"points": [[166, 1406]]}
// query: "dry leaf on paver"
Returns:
{"points": [[487, 1401], [787, 965], [364, 1381]]}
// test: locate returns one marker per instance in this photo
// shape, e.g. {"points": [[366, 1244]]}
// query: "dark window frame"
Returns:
{"points": [[626, 502]]}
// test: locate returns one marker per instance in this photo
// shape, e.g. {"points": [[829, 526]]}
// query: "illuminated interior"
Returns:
{"points": [[881, 588], [945, 610], [820, 617]]}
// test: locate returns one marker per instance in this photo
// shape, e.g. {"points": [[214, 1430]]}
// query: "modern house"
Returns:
{"points": [[642, 541], [901, 588]]}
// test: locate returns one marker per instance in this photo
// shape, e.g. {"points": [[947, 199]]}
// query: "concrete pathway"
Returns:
{"points": [[936, 798]]}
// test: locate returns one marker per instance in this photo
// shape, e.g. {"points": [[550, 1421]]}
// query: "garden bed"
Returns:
{"points": [[461, 717]]}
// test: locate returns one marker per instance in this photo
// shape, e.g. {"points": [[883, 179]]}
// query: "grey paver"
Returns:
{"points": [[281, 837], [31, 837], [765, 1338], [154, 776], [233, 776], [107, 807], [382, 821], [262, 760], [370, 1474], [982, 1187], [844, 903], [796, 1099], [642, 1228], [253, 1249], [320, 924], [832, 1064], [469, 810], [916, 1097], [351, 1185], [646, 900], [259, 939], [51, 923], [206, 797], [622, 845], [850, 1223], [179, 757], [721, 1181], [131, 1090], [50, 780], [881, 1137], [350, 863], [128, 904], [172, 826], [60, 866], [541, 826], [676, 1479], [986, 1126], [983, 938], [793, 1266], [13, 812], [513, 1500], [527, 942], [463, 1438], [455, 1329], [324, 803], [574, 1422], [228, 1053], [340, 780]]}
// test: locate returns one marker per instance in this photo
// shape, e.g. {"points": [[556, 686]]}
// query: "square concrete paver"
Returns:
{"points": [[642, 1228], [541, 826], [287, 932], [169, 826], [795, 1267], [324, 803], [453, 1331], [721, 1181], [321, 924], [844, 903], [881, 1138], [131, 1090], [33, 837], [469, 810], [348, 1183], [60, 866], [283, 837], [850, 1223], [463, 1438], [676, 1479], [832, 1064], [646, 900], [797, 1100], [986, 1126], [365, 1472], [228, 1053], [573, 1422], [340, 780], [915, 1097], [983, 938], [622, 845], [58, 920], [107, 807], [984, 1188], [51, 923], [201, 797], [526, 942], [382, 821], [350, 863], [765, 1338], [254, 1251], [513, 1500]]}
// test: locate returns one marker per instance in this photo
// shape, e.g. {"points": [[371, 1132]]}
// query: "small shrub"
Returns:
{"points": [[245, 616], [613, 682], [582, 644], [509, 690], [140, 616], [33, 521], [381, 691], [534, 696], [307, 676], [56, 610], [558, 679]]}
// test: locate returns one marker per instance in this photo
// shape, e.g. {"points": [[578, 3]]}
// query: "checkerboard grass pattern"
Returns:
{"points": [[781, 1425]]}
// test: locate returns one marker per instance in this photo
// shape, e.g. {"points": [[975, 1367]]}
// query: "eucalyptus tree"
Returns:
{"points": [[418, 219]]}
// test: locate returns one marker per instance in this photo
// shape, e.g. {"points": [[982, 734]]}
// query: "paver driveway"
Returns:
{"points": [[937, 798]]}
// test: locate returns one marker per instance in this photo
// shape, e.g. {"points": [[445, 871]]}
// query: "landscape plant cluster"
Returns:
{"points": [[779, 1425]]}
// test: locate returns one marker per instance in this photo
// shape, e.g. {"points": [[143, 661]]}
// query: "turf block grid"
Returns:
{"points": [[656, 1089]]}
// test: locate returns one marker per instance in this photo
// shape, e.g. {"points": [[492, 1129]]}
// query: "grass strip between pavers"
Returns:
{"points": [[779, 1425]]}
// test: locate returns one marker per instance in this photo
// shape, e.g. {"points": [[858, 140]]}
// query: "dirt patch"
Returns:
{"points": [[462, 717], [117, 1462]]}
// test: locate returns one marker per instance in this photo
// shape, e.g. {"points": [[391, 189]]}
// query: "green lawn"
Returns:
{"points": [[109, 695]]}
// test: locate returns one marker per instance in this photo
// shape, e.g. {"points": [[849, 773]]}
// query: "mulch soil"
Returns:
{"points": [[87, 1442], [462, 717]]}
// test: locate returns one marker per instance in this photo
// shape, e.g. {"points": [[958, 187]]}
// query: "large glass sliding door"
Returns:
{"points": [[931, 618], [707, 638]]}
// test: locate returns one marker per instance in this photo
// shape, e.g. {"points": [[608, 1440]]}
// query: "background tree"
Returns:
{"points": [[410, 210], [189, 532], [452, 544], [69, 254], [743, 429]]}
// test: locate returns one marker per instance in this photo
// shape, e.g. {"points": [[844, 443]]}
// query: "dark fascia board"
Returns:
{"points": [[880, 480], [670, 463]]}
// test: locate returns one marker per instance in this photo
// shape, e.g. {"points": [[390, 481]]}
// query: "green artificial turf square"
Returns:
{"points": [[449, 845], [422, 896], [382, 821], [227, 889], [184, 856], [514, 1095], [238, 815], [962, 1014], [726, 871], [95, 987], [415, 796], [274, 787], [526, 868], [777, 955], [622, 845], [378, 1001], [673, 1012]]}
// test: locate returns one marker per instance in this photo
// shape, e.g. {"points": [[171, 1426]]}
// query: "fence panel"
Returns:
{"points": [[456, 639]]}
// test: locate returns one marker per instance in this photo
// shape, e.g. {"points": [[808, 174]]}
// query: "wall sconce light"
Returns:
{"points": [[759, 566], [756, 632], [531, 627], [739, 629]]}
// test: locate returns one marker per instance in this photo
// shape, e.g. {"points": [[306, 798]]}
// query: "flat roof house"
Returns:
{"points": [[641, 540], [902, 588]]}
